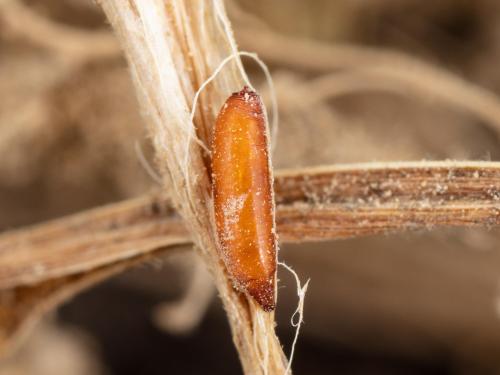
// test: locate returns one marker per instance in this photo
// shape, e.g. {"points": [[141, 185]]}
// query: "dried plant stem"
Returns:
{"points": [[91, 239], [172, 47], [366, 199], [325, 203]]}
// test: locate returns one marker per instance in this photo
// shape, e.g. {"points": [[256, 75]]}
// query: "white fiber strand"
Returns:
{"points": [[301, 292]]}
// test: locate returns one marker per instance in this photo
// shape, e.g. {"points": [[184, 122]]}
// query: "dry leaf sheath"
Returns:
{"points": [[172, 47]]}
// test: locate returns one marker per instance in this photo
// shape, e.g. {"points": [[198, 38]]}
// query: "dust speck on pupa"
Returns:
{"points": [[231, 211]]}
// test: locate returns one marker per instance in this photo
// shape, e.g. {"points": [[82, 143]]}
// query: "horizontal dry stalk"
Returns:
{"points": [[316, 204], [366, 199], [90, 239], [76, 252]]}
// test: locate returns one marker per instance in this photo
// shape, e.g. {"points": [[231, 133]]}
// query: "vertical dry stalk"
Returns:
{"points": [[173, 46]]}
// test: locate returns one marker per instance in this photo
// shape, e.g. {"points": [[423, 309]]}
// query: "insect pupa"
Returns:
{"points": [[243, 196]]}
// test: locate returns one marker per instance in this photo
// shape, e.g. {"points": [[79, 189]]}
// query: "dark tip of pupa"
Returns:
{"points": [[263, 293]]}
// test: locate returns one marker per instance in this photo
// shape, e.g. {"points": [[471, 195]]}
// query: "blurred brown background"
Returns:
{"points": [[415, 303]]}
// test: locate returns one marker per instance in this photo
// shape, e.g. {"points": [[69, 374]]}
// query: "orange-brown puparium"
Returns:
{"points": [[243, 197]]}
